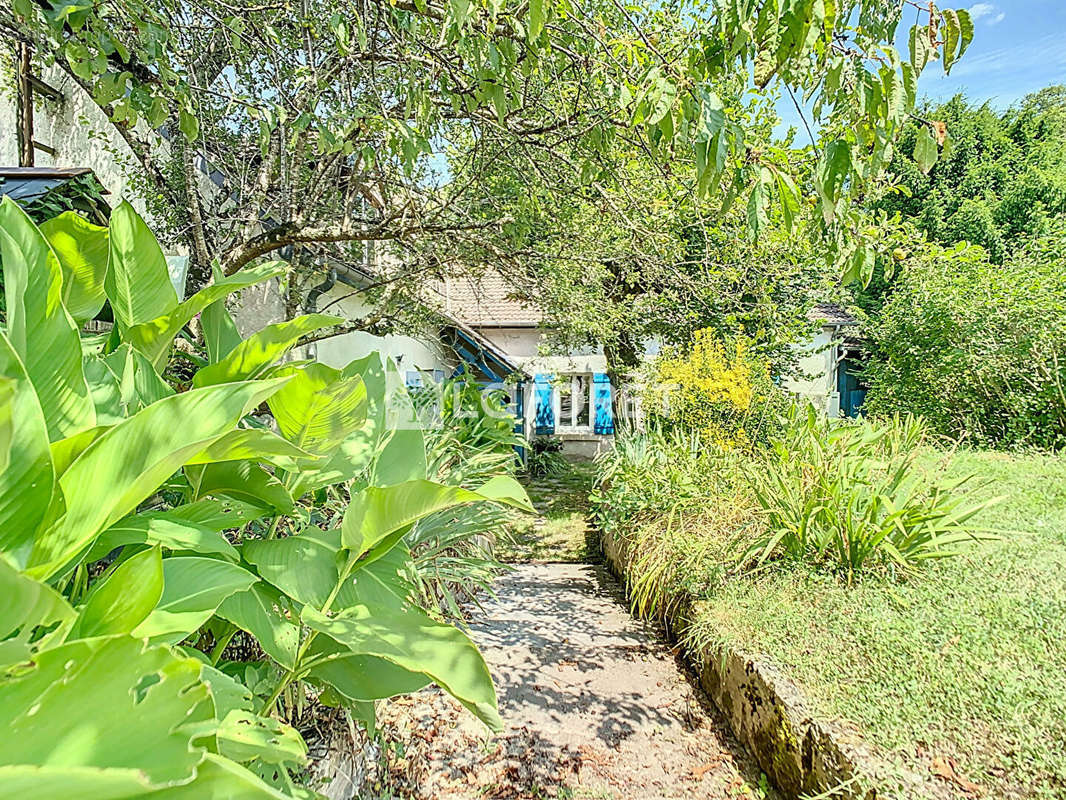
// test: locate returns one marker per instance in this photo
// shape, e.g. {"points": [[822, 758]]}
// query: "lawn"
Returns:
{"points": [[965, 662], [560, 531]]}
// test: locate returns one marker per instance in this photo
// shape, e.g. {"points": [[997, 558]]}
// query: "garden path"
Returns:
{"points": [[595, 704]]}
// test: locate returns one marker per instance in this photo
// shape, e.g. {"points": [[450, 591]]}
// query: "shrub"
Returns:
{"points": [[718, 389], [545, 458], [655, 471], [978, 350], [178, 581], [470, 438], [850, 495]]}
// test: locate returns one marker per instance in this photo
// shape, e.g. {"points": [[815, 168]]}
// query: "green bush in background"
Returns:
{"points": [[977, 349]]}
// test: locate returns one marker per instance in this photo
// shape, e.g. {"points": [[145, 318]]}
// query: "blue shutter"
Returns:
{"points": [[602, 405], [543, 408]]}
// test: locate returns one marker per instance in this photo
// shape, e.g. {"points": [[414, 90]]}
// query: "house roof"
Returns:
{"points": [[28, 183], [831, 314], [487, 301], [475, 350]]}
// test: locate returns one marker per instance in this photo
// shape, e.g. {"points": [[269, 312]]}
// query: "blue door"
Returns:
{"points": [[852, 391]]}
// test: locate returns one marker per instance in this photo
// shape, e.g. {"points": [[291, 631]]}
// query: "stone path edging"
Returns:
{"points": [[802, 756]]}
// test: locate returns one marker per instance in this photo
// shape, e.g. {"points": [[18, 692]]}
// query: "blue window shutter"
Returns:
{"points": [[544, 409], [602, 405]]}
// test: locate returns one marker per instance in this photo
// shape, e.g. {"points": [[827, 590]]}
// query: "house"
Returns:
{"points": [[484, 332], [830, 364], [568, 396]]}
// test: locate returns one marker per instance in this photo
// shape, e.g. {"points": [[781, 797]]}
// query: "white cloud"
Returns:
{"points": [[982, 10]]}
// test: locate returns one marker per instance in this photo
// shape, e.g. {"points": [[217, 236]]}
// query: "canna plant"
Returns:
{"points": [[147, 523]]}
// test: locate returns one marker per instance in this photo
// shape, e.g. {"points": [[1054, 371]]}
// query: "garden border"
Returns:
{"points": [[766, 712]]}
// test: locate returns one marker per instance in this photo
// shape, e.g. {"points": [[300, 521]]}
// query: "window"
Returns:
{"points": [[573, 402], [582, 396]]}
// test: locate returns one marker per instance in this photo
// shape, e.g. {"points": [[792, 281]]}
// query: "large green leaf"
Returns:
{"points": [[162, 529], [413, 641], [318, 409], [26, 482], [357, 454], [120, 601], [304, 566], [242, 736], [227, 692], [65, 451], [261, 611], [376, 618], [402, 456], [8, 387], [155, 337], [81, 249], [122, 383], [253, 444], [193, 526], [253, 356], [220, 331], [218, 515], [192, 589], [106, 703], [240, 480], [376, 512], [361, 677], [137, 283], [129, 462], [217, 778], [38, 326], [25, 605]]}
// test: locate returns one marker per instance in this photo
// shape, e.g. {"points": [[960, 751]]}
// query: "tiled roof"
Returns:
{"points": [[830, 314], [487, 300]]}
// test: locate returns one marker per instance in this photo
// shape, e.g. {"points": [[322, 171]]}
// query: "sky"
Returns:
{"points": [[1019, 47]]}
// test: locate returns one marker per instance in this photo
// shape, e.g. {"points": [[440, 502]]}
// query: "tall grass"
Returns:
{"points": [[851, 495]]}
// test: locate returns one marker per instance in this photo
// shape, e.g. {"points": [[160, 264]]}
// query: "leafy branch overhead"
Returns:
{"points": [[321, 119]]}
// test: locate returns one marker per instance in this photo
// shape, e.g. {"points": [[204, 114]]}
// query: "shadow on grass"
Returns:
{"points": [[560, 532]]}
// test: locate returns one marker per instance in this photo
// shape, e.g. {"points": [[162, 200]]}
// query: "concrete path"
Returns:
{"points": [[594, 702]]}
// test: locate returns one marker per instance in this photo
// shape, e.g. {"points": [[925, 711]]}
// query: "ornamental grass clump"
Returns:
{"points": [[852, 496]]}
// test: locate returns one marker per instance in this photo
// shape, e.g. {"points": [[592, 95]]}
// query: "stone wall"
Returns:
{"points": [[801, 755]]}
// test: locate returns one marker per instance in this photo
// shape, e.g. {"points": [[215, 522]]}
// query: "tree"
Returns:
{"points": [[978, 349], [319, 117], [1001, 180]]}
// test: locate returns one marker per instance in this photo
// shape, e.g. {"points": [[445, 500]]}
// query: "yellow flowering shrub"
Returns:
{"points": [[717, 388]]}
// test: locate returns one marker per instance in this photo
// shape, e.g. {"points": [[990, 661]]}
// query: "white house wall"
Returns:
{"points": [[409, 352], [82, 136], [522, 346], [817, 366]]}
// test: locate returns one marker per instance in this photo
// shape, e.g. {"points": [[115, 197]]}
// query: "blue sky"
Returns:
{"points": [[1019, 47]]}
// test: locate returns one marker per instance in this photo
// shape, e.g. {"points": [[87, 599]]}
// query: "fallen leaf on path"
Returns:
{"points": [[948, 769], [703, 769]]}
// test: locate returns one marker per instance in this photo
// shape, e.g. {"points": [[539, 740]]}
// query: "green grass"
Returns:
{"points": [[560, 530], [965, 660]]}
